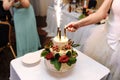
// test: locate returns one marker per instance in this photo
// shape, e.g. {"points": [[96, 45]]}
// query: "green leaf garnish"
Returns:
{"points": [[47, 49], [56, 64], [68, 53], [71, 61], [74, 53], [57, 55], [44, 53]]}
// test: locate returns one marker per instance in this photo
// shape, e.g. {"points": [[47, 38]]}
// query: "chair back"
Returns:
{"points": [[5, 31]]}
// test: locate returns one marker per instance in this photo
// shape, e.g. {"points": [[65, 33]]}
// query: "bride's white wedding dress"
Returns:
{"points": [[104, 43]]}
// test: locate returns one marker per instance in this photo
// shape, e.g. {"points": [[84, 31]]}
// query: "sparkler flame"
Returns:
{"points": [[58, 12]]}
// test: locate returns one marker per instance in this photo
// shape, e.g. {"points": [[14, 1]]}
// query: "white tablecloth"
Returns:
{"points": [[85, 69], [78, 37]]}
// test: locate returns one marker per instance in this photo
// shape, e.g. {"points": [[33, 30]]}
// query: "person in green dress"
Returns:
{"points": [[27, 38]]}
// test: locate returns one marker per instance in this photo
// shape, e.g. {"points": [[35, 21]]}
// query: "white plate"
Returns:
{"points": [[31, 59]]}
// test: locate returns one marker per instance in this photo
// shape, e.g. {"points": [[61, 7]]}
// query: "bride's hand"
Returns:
{"points": [[72, 27]]}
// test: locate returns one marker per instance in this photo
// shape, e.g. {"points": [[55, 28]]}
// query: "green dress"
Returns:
{"points": [[27, 39]]}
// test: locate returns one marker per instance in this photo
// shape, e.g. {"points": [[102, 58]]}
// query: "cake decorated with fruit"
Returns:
{"points": [[59, 54]]}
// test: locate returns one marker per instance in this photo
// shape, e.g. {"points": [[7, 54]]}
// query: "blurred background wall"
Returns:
{"points": [[40, 6], [99, 2]]}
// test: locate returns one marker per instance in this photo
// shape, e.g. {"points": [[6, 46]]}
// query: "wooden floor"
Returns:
{"points": [[6, 56]]}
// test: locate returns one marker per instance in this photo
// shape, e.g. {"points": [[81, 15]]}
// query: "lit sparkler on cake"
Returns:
{"points": [[59, 54], [58, 16], [59, 39]]}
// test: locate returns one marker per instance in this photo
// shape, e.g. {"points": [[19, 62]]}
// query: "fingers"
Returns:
{"points": [[71, 27]]}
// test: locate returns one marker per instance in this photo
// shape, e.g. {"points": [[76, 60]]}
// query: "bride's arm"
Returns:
{"points": [[91, 19], [98, 15]]}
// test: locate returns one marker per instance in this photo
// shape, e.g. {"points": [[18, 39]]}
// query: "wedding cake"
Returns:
{"points": [[59, 54]]}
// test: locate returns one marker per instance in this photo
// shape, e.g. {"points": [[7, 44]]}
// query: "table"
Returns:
{"points": [[85, 69], [79, 37]]}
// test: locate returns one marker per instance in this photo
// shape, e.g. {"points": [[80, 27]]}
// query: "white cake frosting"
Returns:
{"points": [[60, 42], [63, 68]]}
